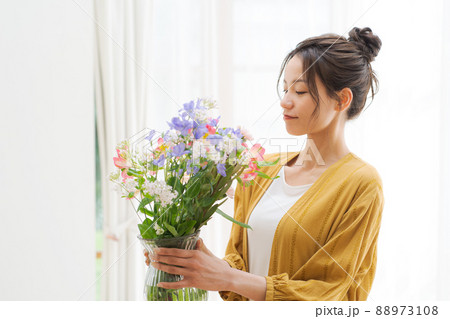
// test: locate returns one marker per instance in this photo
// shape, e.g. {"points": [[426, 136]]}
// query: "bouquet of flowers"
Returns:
{"points": [[184, 174]]}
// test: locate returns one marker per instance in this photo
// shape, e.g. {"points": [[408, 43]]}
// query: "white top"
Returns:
{"points": [[264, 219]]}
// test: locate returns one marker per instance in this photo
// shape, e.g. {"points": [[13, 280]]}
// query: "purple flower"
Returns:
{"points": [[221, 169], [214, 122], [179, 150], [166, 136], [238, 133], [214, 139], [190, 169], [224, 131], [200, 130], [189, 166], [150, 135], [180, 172], [189, 106], [189, 109], [180, 125], [160, 161]]}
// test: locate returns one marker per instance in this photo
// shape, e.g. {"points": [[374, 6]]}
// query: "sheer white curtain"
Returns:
{"points": [[123, 52], [232, 51], [152, 56]]}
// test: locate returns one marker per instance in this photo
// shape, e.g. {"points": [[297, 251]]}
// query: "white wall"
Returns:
{"points": [[47, 172]]}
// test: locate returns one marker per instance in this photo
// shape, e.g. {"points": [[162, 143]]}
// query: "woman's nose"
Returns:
{"points": [[286, 103]]}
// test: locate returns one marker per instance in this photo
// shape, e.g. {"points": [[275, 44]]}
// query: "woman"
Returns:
{"points": [[315, 229]]}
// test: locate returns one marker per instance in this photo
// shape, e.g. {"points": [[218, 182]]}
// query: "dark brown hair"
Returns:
{"points": [[339, 63]]}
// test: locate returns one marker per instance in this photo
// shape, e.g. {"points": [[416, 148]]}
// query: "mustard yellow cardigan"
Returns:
{"points": [[325, 246]]}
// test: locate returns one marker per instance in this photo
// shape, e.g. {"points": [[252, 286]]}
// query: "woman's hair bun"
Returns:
{"points": [[368, 43]]}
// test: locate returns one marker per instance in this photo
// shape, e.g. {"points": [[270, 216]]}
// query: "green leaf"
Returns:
{"points": [[144, 202], [207, 201], [206, 187], [210, 177], [156, 207], [133, 172], [222, 183], [171, 181], [147, 212], [146, 229], [264, 175], [190, 228], [265, 163], [185, 228], [173, 213], [226, 216], [179, 188], [172, 229], [187, 199], [211, 211], [194, 189]]}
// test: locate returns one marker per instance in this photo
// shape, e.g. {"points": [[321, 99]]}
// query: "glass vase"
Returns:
{"points": [[153, 276]]}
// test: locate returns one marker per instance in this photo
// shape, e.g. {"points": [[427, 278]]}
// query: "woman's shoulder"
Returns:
{"points": [[365, 171]]}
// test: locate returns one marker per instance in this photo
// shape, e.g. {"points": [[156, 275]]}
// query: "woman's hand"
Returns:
{"points": [[199, 267]]}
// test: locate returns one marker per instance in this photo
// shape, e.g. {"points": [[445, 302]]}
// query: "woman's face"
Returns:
{"points": [[298, 104]]}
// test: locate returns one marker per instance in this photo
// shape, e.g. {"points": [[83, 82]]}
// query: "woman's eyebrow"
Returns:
{"points": [[298, 80]]}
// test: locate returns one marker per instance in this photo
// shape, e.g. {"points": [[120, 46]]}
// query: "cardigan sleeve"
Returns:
{"points": [[233, 252], [349, 253]]}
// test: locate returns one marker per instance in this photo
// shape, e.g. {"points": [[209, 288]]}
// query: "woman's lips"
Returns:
{"points": [[286, 117]]}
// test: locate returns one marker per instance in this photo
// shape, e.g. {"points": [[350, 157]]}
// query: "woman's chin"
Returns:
{"points": [[294, 132]]}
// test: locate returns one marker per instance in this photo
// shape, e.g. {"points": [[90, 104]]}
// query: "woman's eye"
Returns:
{"points": [[298, 92]]}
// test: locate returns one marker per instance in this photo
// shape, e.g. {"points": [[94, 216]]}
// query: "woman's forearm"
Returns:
{"points": [[247, 284]]}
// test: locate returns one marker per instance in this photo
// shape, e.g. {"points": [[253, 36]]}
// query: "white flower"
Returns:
{"points": [[130, 185], [161, 191], [146, 156], [213, 154], [229, 144], [123, 145], [209, 103], [171, 137], [167, 197], [201, 115], [159, 230], [199, 149], [185, 178], [114, 176]]}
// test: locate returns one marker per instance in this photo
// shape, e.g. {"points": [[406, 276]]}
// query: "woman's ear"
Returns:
{"points": [[345, 99]]}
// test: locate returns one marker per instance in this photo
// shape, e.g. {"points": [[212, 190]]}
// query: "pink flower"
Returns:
{"points": [[252, 166], [120, 161], [257, 152], [249, 177], [250, 173], [211, 130], [125, 175], [245, 133], [230, 192]]}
